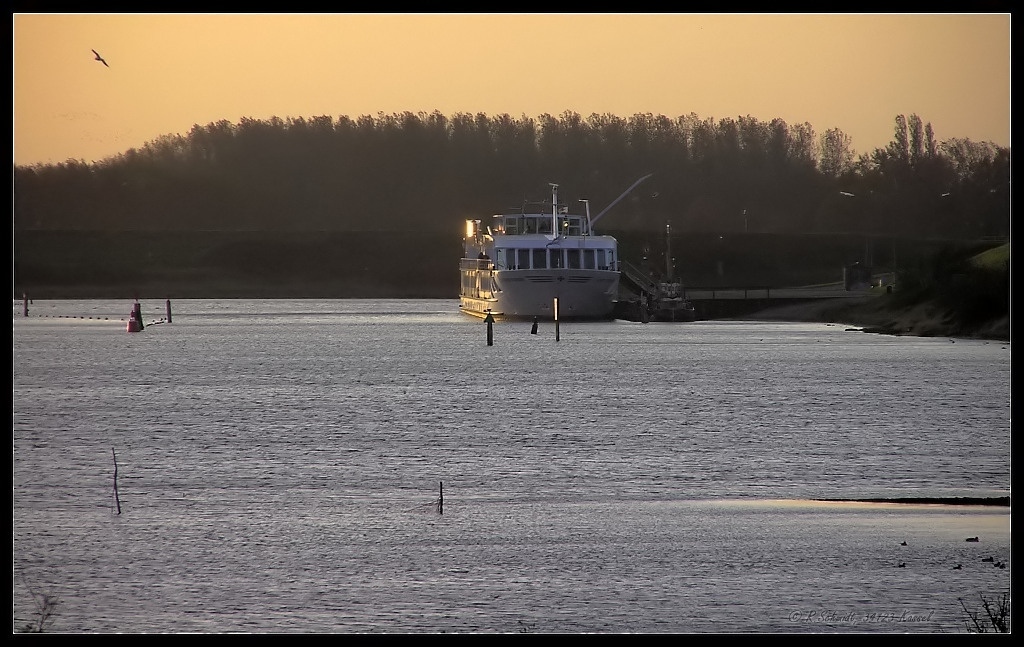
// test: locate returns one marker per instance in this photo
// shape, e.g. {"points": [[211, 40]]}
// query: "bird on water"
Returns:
{"points": [[99, 58]]}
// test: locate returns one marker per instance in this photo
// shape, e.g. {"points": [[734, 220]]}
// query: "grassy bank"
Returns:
{"points": [[955, 294], [886, 315]]}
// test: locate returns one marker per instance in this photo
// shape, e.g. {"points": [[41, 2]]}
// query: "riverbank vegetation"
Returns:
{"points": [[375, 206]]}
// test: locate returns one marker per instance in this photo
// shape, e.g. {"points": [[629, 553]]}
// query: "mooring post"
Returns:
{"points": [[489, 320], [440, 497], [533, 329], [168, 311]]}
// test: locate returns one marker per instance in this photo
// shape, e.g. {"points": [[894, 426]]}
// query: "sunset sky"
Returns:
{"points": [[168, 72]]}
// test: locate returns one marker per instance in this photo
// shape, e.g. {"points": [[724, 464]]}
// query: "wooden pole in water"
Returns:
{"points": [[489, 319], [440, 497], [24, 298], [168, 311], [116, 498]]}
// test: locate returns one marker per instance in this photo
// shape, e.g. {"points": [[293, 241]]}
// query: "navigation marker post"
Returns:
{"points": [[556, 318]]}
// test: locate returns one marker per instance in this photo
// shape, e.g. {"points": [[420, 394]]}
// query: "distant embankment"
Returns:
{"points": [[404, 264], [219, 264]]}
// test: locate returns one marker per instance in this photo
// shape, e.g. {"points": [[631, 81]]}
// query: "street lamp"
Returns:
{"points": [[894, 263]]}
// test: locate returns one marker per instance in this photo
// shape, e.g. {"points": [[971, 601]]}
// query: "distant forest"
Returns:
{"points": [[429, 172]]}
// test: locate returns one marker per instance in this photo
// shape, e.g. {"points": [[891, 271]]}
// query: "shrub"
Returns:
{"points": [[995, 620]]}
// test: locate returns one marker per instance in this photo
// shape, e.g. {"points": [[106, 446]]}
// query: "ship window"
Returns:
{"points": [[523, 259], [540, 260], [588, 259], [573, 256], [556, 258]]}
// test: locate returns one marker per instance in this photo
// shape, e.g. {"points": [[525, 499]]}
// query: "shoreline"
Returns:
{"points": [[874, 314], [869, 313]]}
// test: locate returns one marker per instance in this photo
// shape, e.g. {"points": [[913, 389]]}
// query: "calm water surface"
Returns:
{"points": [[279, 464]]}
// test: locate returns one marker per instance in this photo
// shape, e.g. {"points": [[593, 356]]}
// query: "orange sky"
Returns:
{"points": [[169, 72]]}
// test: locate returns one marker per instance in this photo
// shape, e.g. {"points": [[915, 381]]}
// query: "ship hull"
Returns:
{"points": [[528, 294]]}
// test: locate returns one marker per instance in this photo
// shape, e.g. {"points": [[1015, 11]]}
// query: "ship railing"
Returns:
{"points": [[488, 264], [634, 275], [476, 264]]}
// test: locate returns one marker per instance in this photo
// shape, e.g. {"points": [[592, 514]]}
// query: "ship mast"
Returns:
{"points": [[554, 208]]}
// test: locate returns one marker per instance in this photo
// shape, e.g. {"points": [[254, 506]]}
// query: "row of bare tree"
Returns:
{"points": [[427, 171]]}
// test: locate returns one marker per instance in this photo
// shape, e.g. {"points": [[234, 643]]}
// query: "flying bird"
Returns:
{"points": [[99, 58]]}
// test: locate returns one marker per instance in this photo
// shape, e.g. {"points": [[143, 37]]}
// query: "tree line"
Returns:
{"points": [[430, 172]]}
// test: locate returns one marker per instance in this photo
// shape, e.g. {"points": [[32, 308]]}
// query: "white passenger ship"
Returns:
{"points": [[540, 264]]}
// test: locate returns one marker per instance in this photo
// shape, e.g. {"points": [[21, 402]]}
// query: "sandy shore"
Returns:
{"points": [[1001, 501], [876, 314]]}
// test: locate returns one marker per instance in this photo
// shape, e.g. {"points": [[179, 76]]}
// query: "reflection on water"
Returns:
{"points": [[279, 461]]}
